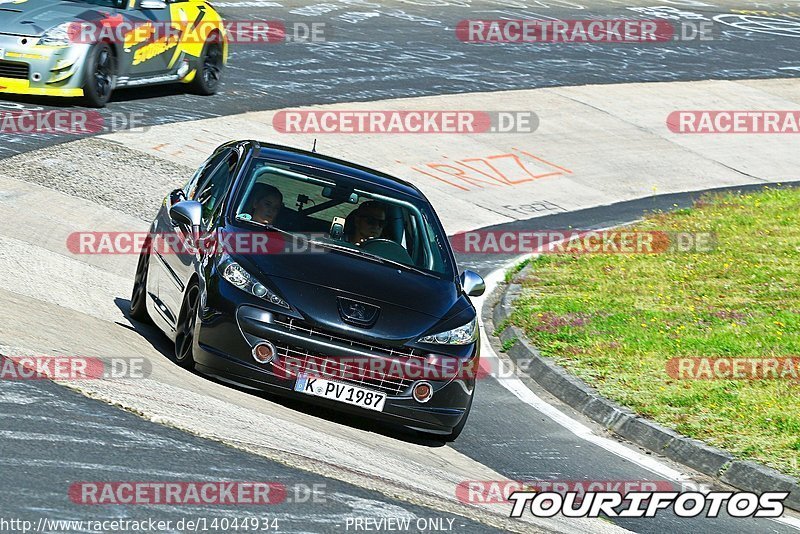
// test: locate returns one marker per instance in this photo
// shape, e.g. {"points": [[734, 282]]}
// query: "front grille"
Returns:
{"points": [[360, 373], [294, 325], [18, 71], [296, 360]]}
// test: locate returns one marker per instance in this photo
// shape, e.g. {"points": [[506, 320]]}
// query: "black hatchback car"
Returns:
{"points": [[283, 270]]}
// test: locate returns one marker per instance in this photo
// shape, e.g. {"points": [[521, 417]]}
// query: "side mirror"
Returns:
{"points": [[188, 213], [473, 284], [153, 4]]}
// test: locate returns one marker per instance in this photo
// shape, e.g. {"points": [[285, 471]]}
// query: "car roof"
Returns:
{"points": [[326, 163]]}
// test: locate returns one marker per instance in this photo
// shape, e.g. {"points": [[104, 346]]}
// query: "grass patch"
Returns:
{"points": [[508, 343], [515, 269], [616, 320]]}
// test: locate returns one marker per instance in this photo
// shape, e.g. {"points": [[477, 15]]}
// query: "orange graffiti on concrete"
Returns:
{"points": [[499, 170]]}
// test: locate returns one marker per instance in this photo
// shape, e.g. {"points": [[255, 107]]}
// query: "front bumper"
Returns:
{"points": [[27, 68], [228, 329]]}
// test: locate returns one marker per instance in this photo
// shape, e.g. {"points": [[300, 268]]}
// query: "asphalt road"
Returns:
{"points": [[52, 437], [404, 48]]}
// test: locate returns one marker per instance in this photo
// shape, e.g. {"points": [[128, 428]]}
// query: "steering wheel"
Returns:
{"points": [[386, 248]]}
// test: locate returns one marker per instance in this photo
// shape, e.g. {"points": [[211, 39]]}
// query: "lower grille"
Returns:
{"points": [[18, 71], [295, 360]]}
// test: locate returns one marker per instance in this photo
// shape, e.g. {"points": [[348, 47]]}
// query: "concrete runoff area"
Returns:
{"points": [[595, 145], [380, 49]]}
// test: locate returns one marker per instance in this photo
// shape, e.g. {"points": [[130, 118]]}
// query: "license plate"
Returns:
{"points": [[319, 387]]}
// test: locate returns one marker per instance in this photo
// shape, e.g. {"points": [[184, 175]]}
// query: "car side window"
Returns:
{"points": [[190, 189], [213, 186]]}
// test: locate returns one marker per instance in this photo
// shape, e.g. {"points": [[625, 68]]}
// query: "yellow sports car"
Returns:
{"points": [[88, 48]]}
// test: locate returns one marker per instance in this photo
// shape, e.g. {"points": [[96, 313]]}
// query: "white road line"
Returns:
{"points": [[516, 386]]}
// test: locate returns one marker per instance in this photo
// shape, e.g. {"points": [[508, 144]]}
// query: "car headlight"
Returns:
{"points": [[60, 35], [463, 335], [238, 276]]}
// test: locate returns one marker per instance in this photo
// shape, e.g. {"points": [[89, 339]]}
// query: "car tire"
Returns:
{"points": [[209, 70], [138, 309], [461, 424], [187, 327], [99, 75]]}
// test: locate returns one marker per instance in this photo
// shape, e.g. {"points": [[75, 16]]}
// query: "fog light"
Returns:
{"points": [[264, 352], [422, 392]]}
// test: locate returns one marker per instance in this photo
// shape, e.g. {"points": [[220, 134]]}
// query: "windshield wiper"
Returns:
{"points": [[405, 266], [374, 257]]}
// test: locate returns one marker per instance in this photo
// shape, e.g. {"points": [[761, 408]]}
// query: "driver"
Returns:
{"points": [[368, 221]]}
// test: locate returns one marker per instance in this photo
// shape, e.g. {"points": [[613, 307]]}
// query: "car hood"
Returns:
{"points": [[34, 17], [411, 304]]}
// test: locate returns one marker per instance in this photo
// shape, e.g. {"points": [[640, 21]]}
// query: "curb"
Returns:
{"points": [[716, 463]]}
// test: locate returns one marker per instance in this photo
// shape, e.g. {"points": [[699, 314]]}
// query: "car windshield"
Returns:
{"points": [[343, 214]]}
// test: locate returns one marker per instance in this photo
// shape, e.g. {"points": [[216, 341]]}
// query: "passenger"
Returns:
{"points": [[267, 207], [365, 222]]}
